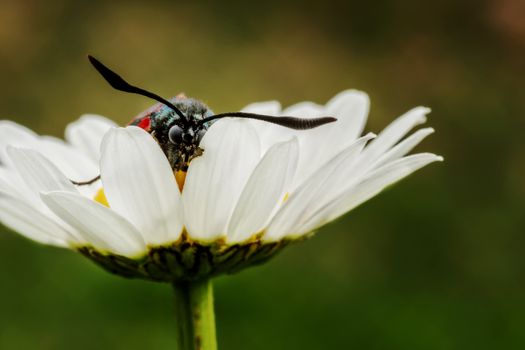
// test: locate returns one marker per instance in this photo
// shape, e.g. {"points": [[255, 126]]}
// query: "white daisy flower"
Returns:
{"points": [[184, 194], [256, 187]]}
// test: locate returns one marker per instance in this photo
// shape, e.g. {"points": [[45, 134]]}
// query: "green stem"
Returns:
{"points": [[195, 316]]}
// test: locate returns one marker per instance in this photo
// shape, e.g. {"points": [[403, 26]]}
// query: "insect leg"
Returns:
{"points": [[85, 183]]}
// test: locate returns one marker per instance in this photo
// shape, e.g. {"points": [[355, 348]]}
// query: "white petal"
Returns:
{"points": [[87, 132], [374, 183], [6, 187], [351, 108], [319, 144], [31, 223], [38, 173], [319, 188], [403, 147], [268, 108], [139, 184], [393, 133], [72, 162], [269, 134], [264, 191], [98, 225], [12, 183], [304, 109], [215, 179], [15, 135]]}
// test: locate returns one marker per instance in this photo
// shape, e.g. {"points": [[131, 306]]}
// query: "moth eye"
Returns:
{"points": [[200, 134], [175, 134]]}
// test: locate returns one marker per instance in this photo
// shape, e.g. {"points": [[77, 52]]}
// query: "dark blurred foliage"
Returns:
{"points": [[435, 262]]}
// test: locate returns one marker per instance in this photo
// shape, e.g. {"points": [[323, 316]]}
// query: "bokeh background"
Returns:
{"points": [[436, 262]]}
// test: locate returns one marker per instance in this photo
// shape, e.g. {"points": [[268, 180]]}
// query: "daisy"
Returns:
{"points": [[256, 187], [252, 187]]}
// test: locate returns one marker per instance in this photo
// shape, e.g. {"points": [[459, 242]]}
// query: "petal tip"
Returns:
{"points": [[350, 96]]}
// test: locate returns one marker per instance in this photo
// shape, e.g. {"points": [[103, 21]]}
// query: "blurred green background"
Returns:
{"points": [[437, 262]]}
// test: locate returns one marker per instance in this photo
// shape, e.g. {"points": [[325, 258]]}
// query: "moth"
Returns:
{"points": [[179, 124]]}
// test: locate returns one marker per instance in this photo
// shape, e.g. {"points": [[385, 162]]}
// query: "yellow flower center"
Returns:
{"points": [[101, 198]]}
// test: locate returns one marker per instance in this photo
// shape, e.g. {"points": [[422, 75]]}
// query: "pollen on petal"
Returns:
{"points": [[180, 176], [286, 195], [101, 198]]}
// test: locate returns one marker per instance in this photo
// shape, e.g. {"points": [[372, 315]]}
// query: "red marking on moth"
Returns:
{"points": [[144, 123]]}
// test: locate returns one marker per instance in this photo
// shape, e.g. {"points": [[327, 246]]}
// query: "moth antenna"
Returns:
{"points": [[288, 122], [85, 183], [118, 83]]}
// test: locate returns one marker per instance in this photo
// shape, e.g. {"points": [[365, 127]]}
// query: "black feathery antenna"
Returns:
{"points": [[289, 122], [118, 83]]}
